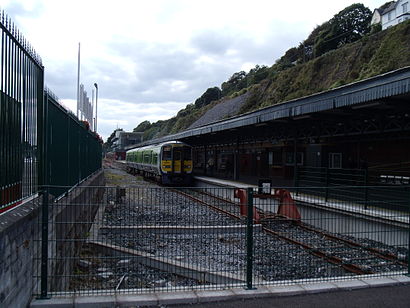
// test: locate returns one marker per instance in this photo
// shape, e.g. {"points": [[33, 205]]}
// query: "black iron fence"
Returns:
{"points": [[108, 240], [41, 143], [21, 89]]}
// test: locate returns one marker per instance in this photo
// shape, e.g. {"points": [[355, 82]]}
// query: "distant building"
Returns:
{"points": [[125, 139], [377, 17], [391, 13]]}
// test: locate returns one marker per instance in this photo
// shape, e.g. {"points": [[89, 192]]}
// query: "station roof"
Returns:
{"points": [[356, 95]]}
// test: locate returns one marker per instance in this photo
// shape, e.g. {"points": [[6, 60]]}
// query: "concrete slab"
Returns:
{"points": [[401, 279], [214, 296], [378, 282], [136, 300], [94, 301], [53, 302], [257, 292], [177, 298], [350, 284], [181, 268], [318, 287], [287, 290]]}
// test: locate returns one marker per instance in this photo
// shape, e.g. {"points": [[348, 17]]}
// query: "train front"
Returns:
{"points": [[176, 164]]}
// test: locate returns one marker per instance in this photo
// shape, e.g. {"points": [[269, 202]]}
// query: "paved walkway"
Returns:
{"points": [[391, 291], [382, 297]]}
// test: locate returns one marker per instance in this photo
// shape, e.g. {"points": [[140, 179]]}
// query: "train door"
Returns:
{"points": [[166, 159], [177, 155], [187, 160]]}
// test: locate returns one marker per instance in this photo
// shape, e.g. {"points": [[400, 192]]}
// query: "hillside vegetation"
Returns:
{"points": [[338, 52], [372, 55]]}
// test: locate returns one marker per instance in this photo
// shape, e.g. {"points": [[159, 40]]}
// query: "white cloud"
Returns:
{"points": [[151, 58]]}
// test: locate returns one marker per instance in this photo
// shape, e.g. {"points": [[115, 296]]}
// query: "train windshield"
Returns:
{"points": [[177, 155], [166, 153]]}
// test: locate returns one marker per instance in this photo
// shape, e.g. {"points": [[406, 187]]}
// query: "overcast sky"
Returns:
{"points": [[152, 58]]}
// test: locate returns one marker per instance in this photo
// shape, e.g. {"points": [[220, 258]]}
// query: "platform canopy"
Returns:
{"points": [[378, 95]]}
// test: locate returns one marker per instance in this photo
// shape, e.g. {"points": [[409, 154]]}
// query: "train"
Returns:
{"points": [[169, 163]]}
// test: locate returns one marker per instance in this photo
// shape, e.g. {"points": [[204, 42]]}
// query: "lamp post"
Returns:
{"points": [[96, 105]]}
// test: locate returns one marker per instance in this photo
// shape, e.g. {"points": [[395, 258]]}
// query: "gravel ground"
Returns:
{"points": [[274, 259], [158, 206], [360, 256], [99, 272]]}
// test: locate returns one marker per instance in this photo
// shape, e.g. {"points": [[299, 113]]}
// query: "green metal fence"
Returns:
{"points": [[73, 152], [113, 240]]}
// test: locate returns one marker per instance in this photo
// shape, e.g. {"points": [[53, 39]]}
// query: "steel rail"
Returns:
{"points": [[353, 268], [374, 251]]}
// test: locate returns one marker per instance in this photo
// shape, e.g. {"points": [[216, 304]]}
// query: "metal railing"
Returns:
{"points": [[21, 84], [73, 152], [386, 186], [41, 143], [107, 240]]}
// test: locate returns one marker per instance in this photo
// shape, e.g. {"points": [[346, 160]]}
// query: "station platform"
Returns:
{"points": [[351, 208]]}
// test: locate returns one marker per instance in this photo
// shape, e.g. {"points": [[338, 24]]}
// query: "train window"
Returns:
{"points": [[177, 155], [147, 158], [155, 158], [166, 153]]}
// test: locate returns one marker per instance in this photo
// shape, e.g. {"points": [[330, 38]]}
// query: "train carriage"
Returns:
{"points": [[169, 162]]}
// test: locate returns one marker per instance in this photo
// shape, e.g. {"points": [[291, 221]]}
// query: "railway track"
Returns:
{"points": [[347, 253]]}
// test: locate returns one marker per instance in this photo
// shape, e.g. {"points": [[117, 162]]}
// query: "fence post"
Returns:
{"points": [[249, 241], [366, 189], [327, 184], [408, 252], [44, 182], [44, 245], [296, 184]]}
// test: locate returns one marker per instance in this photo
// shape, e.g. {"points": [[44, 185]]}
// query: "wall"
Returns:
{"points": [[20, 245]]}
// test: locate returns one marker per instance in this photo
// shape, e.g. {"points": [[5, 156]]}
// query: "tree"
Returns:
{"points": [[236, 83], [348, 26], [210, 95], [142, 127], [257, 74], [352, 23]]}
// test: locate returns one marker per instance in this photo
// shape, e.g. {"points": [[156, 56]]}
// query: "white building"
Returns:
{"points": [[391, 14]]}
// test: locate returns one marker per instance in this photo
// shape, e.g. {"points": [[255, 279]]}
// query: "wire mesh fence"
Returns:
{"points": [[105, 240], [387, 188]]}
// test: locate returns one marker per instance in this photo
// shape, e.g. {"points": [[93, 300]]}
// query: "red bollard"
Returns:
{"points": [[243, 197], [287, 206]]}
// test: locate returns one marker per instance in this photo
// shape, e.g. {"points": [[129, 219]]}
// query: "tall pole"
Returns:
{"points": [[96, 105], [92, 112], [78, 81]]}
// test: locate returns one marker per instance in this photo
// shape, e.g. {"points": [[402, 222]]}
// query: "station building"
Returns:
{"points": [[363, 126]]}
